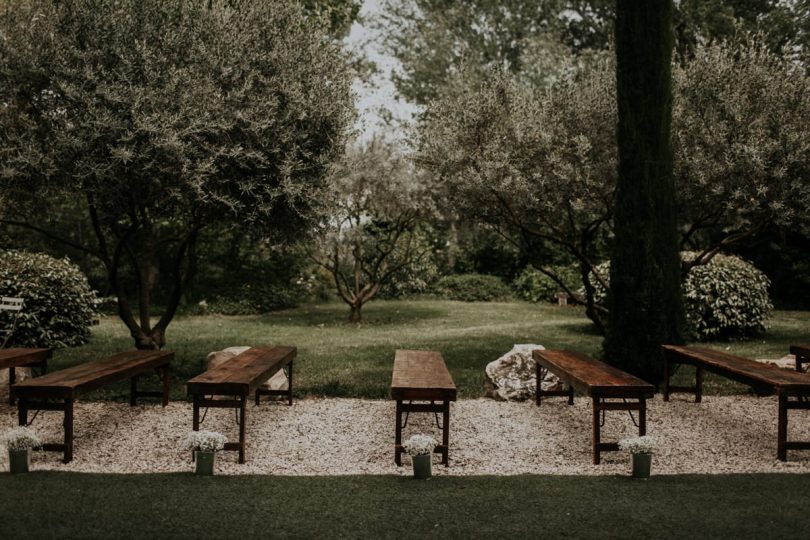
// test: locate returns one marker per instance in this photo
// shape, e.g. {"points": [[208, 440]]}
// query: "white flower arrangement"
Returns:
{"points": [[419, 445], [205, 441], [639, 445], [21, 438]]}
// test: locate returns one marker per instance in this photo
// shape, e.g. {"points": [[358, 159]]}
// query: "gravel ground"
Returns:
{"points": [[734, 434]]}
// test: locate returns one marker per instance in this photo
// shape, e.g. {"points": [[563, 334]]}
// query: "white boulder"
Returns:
{"points": [[276, 382], [513, 377]]}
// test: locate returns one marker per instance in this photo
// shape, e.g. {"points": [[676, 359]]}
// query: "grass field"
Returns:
{"points": [[337, 359], [88, 506]]}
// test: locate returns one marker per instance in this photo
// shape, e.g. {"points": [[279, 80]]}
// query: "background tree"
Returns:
{"points": [[159, 119], [375, 229], [646, 306]]}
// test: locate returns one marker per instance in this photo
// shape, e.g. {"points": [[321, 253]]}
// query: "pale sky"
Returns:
{"points": [[381, 93]]}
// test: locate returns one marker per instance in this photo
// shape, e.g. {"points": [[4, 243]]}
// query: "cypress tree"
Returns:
{"points": [[646, 306]]}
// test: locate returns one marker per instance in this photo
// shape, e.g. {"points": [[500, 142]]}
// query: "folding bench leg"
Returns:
{"points": [[642, 417], [290, 384], [781, 436], [597, 433], [12, 378], [446, 433], [68, 430], [22, 412], [698, 384], [242, 410], [398, 435]]}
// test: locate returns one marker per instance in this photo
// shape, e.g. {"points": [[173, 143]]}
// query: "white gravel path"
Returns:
{"points": [[734, 434]]}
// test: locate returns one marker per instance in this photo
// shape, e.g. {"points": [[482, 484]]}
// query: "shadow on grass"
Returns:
{"points": [[70, 505], [381, 314]]}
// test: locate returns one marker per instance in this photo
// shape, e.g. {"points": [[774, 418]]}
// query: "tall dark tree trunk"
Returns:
{"points": [[646, 306]]}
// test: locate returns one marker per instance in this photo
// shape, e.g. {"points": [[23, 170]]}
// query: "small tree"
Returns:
{"points": [[159, 119], [375, 230]]}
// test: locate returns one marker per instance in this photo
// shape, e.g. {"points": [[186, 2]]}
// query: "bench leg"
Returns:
{"points": [[642, 417], [570, 395], [12, 378], [166, 384], [242, 411], [539, 375], [781, 431], [698, 384], [398, 435], [597, 434], [666, 376], [290, 385], [22, 412], [68, 430], [446, 433]]}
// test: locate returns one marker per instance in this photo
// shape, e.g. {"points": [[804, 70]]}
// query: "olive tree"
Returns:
{"points": [[376, 225], [160, 119]]}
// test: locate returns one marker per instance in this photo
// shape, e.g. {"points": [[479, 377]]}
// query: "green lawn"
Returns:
{"points": [[337, 359], [70, 505]]}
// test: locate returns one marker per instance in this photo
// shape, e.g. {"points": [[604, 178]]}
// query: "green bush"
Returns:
{"points": [[250, 300], [59, 304], [535, 286], [726, 298], [472, 288]]}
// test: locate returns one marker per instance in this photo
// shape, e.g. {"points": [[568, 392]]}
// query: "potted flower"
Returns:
{"points": [[420, 448], [205, 445], [19, 442], [642, 449]]}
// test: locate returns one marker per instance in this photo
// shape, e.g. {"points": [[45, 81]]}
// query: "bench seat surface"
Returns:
{"points": [[20, 357], [91, 375], [747, 370], [242, 374], [421, 375], [590, 376]]}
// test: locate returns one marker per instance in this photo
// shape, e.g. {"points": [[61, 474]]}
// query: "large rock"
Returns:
{"points": [[513, 377], [276, 382], [20, 374], [786, 362]]}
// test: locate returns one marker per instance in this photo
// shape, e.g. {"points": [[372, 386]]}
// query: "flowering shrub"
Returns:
{"points": [[419, 445], [59, 304], [728, 297], [639, 445], [21, 438], [205, 441]]}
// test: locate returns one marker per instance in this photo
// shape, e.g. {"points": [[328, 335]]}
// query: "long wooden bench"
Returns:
{"points": [[601, 383], [237, 379], [422, 376], [802, 354], [765, 379], [13, 358], [45, 393]]}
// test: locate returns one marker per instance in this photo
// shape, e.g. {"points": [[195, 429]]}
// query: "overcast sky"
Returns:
{"points": [[381, 94]]}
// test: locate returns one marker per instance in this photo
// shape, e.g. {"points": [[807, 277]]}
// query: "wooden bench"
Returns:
{"points": [[765, 379], [802, 353], [422, 376], [598, 381], [14, 358], [39, 393], [238, 378]]}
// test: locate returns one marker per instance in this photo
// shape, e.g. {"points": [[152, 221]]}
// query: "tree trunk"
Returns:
{"points": [[355, 313], [646, 306]]}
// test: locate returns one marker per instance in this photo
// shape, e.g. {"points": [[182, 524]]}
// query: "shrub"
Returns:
{"points": [[472, 288], [726, 298], [59, 304], [535, 286]]}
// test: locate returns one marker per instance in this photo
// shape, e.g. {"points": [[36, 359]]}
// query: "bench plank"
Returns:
{"points": [[244, 373], [70, 382], [751, 372], [421, 375], [21, 357], [592, 377]]}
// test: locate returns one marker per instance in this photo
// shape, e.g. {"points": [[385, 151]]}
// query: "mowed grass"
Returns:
{"points": [[70, 505], [339, 359]]}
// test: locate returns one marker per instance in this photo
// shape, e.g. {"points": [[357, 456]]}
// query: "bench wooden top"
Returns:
{"points": [[421, 375], [242, 374], [68, 383], [20, 357], [590, 376], [801, 350], [751, 372]]}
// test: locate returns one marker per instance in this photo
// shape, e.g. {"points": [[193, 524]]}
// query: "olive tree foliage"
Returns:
{"points": [[538, 165], [377, 220], [160, 119], [742, 138]]}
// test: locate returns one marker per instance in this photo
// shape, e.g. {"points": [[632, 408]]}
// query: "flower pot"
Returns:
{"points": [[204, 463], [641, 465], [19, 460], [422, 466]]}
